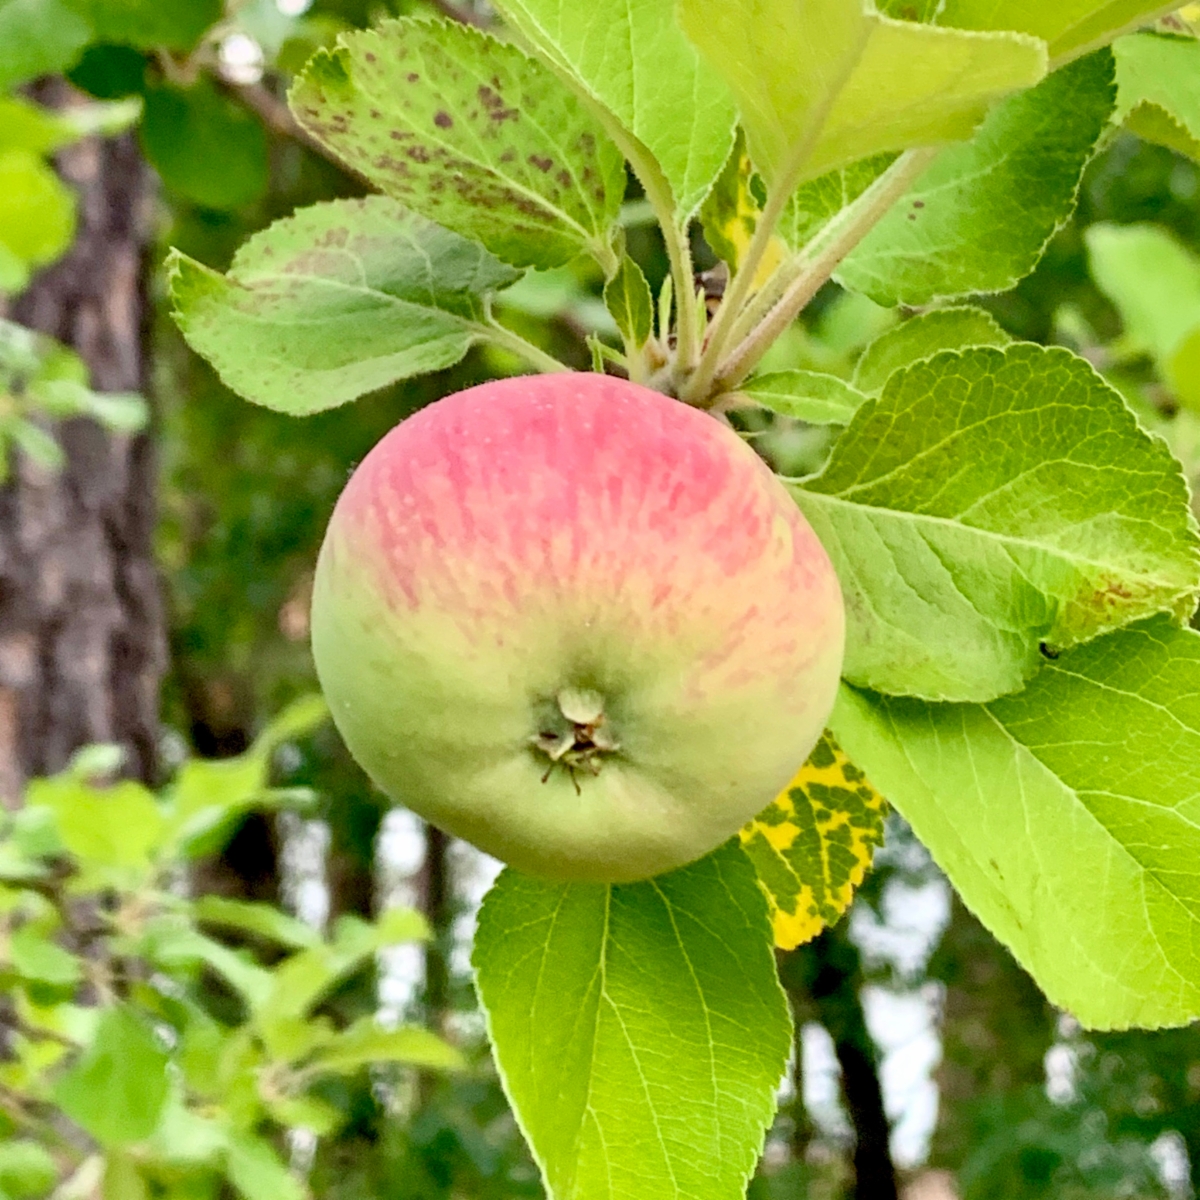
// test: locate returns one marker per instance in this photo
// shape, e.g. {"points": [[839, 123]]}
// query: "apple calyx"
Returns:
{"points": [[576, 735]]}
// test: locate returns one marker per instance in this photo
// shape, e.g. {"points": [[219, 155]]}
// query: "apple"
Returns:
{"points": [[577, 623]]}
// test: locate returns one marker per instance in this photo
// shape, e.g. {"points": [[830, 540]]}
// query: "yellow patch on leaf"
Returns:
{"points": [[813, 844], [730, 216]]}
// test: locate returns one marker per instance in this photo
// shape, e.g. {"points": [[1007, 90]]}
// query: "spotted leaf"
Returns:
{"points": [[471, 133], [812, 846]]}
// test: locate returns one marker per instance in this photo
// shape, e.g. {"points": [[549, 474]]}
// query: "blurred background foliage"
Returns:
{"points": [[924, 1054]]}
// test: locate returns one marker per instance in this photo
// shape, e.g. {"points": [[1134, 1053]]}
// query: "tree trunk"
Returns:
{"points": [[81, 625], [824, 978]]}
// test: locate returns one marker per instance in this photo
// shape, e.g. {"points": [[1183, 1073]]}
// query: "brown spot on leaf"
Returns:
{"points": [[442, 119], [542, 164], [418, 154], [412, 77]]}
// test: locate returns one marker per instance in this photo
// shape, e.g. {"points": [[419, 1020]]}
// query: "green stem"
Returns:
{"points": [[816, 264], [506, 339]]}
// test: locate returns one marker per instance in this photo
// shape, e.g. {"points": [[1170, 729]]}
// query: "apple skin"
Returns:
{"points": [[575, 531]]}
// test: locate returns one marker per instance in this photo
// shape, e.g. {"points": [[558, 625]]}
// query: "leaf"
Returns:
{"points": [[922, 337], [26, 1169], [635, 62], [338, 300], [627, 296], [38, 37], [808, 396], [304, 716], [171, 942], [981, 216], [118, 1088], [255, 1171], [1072, 844], [205, 145], [37, 211], [640, 1029], [366, 1042], [812, 846], [731, 211], [113, 831], [1158, 90], [1071, 27], [149, 24], [471, 133], [824, 84], [263, 920], [37, 957], [27, 126], [988, 501], [1155, 284], [813, 204]]}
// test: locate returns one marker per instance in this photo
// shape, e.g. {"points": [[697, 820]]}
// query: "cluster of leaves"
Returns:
{"points": [[40, 378], [1018, 554], [155, 1042]]}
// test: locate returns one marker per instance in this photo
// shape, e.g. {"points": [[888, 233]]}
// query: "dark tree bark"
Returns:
{"points": [[81, 627], [824, 978]]}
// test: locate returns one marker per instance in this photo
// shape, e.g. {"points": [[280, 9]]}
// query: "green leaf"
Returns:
{"points": [[149, 24], [640, 1029], [988, 501], [827, 83], [471, 133], [38, 445], [338, 300], [812, 846], [113, 831], [367, 1042], [635, 62], [813, 204], [205, 145], [38, 37], [263, 920], [171, 942], [26, 1169], [27, 126], [37, 211], [38, 957], [922, 337], [301, 981], [808, 396], [118, 1088], [981, 216], [1075, 846], [302, 717], [1158, 90], [1071, 27], [255, 1171], [1155, 284], [628, 298]]}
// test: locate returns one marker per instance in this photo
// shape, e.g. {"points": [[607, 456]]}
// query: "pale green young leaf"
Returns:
{"points": [[991, 500], [38, 957], [262, 920], [1158, 89], [1155, 283], [27, 1169], [256, 1171], [112, 831], [37, 210], [1076, 847], [810, 396], [336, 301], [303, 716], [38, 37], [366, 1042], [117, 1090], [922, 337], [627, 296], [171, 942], [825, 83], [471, 133], [640, 1029], [634, 61], [1071, 27], [981, 216]]}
